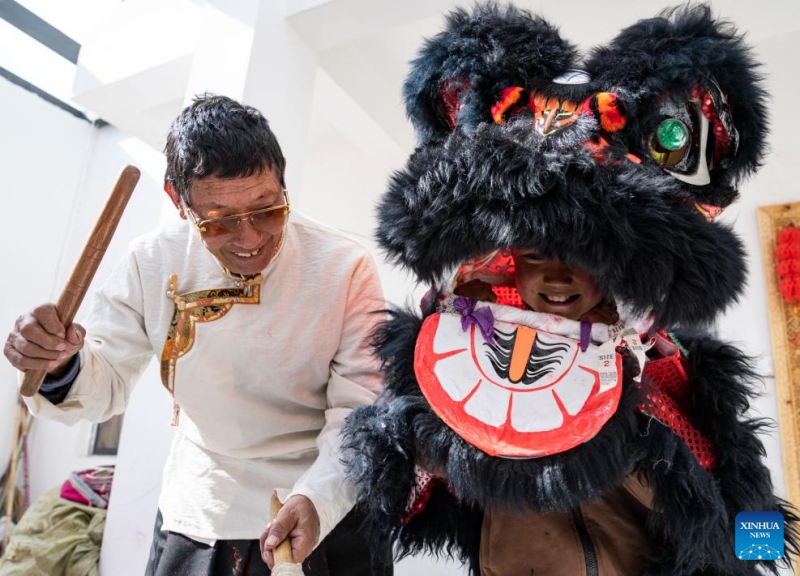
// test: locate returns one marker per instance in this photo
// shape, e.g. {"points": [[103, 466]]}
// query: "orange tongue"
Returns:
{"points": [[523, 344]]}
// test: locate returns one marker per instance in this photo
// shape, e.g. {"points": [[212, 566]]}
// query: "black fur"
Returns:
{"points": [[491, 48], [677, 49], [476, 193]]}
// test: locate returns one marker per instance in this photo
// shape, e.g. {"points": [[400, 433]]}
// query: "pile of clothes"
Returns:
{"points": [[61, 533]]}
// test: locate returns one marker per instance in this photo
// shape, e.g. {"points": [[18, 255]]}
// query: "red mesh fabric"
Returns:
{"points": [[508, 296], [669, 374], [420, 494], [668, 400]]}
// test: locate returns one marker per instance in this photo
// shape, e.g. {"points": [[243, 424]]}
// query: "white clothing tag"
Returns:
{"points": [[607, 366], [622, 335]]}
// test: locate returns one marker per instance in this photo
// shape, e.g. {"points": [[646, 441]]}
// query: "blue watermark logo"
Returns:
{"points": [[759, 536]]}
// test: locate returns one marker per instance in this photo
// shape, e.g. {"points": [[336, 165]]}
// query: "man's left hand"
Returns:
{"points": [[298, 520]]}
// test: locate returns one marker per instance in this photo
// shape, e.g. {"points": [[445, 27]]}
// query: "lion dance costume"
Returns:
{"points": [[525, 443]]}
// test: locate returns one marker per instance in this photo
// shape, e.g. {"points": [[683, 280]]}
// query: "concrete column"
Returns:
{"points": [[224, 43], [280, 83], [247, 50]]}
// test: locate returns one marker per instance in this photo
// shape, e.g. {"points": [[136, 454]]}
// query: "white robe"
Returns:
{"points": [[263, 390]]}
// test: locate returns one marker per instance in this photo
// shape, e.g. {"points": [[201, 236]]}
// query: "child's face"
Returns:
{"points": [[552, 287]]}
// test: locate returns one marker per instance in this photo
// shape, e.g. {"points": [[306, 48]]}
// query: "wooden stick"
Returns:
{"points": [[283, 552], [86, 266], [11, 479]]}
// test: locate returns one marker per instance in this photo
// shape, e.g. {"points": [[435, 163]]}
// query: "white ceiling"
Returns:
{"points": [[370, 62], [363, 46]]}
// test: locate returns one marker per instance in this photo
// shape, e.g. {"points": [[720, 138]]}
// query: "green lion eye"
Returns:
{"points": [[672, 134]]}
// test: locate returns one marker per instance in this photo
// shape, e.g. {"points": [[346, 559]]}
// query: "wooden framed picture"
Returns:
{"points": [[777, 230], [105, 437]]}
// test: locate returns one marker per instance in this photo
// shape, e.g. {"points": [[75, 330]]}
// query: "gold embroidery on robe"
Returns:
{"points": [[193, 307]]}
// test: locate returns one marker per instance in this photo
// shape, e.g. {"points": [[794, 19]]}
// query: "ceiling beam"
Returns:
{"points": [[40, 30]]}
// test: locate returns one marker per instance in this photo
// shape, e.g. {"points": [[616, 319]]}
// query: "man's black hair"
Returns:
{"points": [[218, 136]]}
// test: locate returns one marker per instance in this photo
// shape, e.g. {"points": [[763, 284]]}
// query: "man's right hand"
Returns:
{"points": [[39, 341]]}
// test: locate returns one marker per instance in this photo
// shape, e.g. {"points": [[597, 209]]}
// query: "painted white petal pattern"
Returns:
{"points": [[574, 390], [535, 412], [456, 373], [489, 404]]}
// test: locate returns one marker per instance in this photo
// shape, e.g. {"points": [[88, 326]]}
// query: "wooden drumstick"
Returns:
{"points": [[86, 266], [283, 551]]}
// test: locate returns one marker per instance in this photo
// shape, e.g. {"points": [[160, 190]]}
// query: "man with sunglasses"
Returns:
{"points": [[261, 319]]}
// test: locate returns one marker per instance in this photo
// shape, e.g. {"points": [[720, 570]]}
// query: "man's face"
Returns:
{"points": [[252, 244], [552, 287]]}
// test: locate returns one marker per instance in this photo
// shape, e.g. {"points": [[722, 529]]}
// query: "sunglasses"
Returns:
{"points": [[268, 220]]}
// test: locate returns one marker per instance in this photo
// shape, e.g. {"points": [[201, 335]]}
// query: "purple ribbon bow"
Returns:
{"points": [[482, 317]]}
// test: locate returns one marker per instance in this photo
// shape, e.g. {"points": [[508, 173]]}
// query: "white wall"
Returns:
{"points": [[61, 172], [30, 240], [777, 182], [49, 152]]}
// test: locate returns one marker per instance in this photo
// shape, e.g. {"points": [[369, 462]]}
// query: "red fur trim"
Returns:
{"points": [[508, 97], [610, 111], [450, 105]]}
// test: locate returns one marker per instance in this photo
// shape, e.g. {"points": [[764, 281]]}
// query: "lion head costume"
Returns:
{"points": [[618, 164]]}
